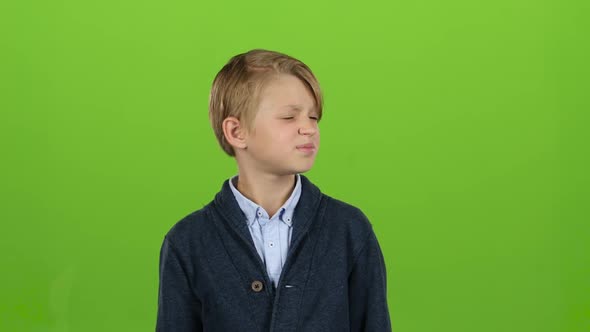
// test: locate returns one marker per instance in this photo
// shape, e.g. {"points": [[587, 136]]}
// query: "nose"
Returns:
{"points": [[308, 129]]}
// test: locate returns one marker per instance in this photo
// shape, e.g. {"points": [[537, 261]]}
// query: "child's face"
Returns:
{"points": [[285, 121]]}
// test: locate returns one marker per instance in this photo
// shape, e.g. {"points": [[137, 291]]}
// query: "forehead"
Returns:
{"points": [[286, 92]]}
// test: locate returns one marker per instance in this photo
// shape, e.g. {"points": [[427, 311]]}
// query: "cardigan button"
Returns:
{"points": [[256, 286]]}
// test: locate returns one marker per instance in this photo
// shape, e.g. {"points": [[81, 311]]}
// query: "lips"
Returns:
{"points": [[306, 146], [308, 149]]}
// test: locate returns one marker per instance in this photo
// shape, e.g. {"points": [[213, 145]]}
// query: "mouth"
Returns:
{"points": [[306, 148]]}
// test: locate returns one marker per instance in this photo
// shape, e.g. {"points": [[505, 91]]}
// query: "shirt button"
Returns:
{"points": [[272, 244], [256, 286]]}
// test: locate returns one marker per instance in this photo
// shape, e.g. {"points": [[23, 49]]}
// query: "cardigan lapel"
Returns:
{"points": [[305, 212]]}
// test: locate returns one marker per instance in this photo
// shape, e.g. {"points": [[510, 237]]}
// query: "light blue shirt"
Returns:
{"points": [[271, 235]]}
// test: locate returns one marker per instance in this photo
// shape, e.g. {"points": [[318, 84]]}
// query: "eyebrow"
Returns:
{"points": [[297, 107]]}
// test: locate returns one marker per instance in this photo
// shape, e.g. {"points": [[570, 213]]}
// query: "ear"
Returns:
{"points": [[235, 134]]}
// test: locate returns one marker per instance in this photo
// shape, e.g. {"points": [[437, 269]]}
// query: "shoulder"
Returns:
{"points": [[346, 212], [347, 218], [191, 227]]}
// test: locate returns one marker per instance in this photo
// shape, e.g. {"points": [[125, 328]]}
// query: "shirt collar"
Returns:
{"points": [[251, 209]]}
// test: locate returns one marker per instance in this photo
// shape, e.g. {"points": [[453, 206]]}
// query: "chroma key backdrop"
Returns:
{"points": [[459, 127]]}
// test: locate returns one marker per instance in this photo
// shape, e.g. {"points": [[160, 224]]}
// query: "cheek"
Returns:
{"points": [[275, 136], [284, 136]]}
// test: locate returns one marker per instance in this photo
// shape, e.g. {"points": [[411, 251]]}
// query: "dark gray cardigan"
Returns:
{"points": [[212, 278]]}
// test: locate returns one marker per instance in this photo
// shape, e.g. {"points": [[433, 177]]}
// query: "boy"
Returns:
{"points": [[271, 252]]}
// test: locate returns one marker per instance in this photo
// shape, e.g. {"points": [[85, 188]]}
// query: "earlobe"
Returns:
{"points": [[234, 132]]}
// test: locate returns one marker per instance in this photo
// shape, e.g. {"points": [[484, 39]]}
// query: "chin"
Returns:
{"points": [[304, 169], [295, 167]]}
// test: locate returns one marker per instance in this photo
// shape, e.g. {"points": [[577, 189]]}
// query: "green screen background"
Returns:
{"points": [[460, 128]]}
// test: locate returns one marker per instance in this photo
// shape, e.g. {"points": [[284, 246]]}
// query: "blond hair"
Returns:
{"points": [[236, 88]]}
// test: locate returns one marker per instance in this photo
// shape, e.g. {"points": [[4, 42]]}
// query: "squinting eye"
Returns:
{"points": [[313, 117], [289, 118]]}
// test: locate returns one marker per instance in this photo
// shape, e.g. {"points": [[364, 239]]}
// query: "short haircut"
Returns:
{"points": [[236, 88]]}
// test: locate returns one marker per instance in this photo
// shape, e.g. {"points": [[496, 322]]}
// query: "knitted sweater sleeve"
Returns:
{"points": [[179, 310], [368, 309]]}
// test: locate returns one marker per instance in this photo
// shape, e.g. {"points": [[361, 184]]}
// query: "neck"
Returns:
{"points": [[267, 190]]}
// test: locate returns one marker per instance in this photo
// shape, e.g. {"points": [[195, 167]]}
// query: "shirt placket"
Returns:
{"points": [[272, 253]]}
